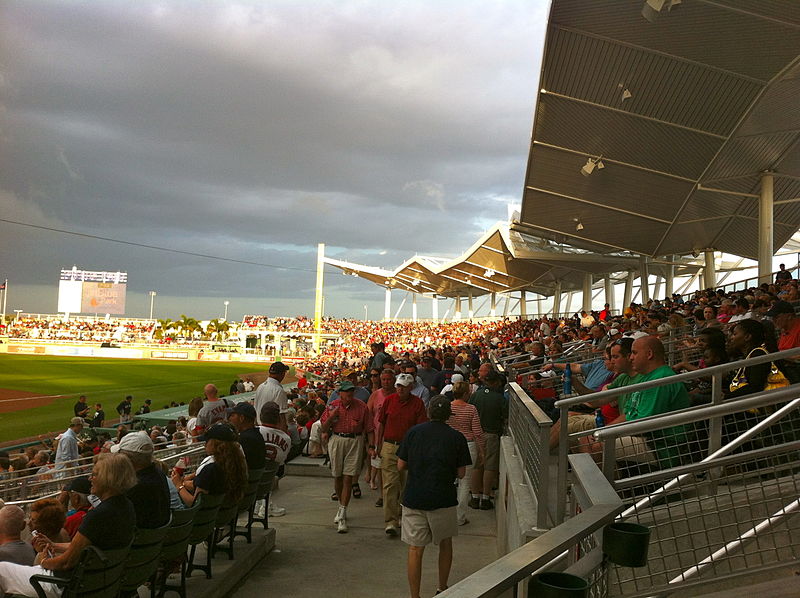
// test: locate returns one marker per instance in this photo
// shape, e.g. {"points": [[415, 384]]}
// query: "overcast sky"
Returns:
{"points": [[254, 131]]}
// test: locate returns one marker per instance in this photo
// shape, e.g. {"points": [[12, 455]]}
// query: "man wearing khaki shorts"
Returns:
{"points": [[347, 420], [435, 455]]}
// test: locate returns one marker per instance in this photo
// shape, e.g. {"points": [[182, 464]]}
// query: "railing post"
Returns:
{"points": [[563, 463], [542, 506], [609, 458], [715, 425]]}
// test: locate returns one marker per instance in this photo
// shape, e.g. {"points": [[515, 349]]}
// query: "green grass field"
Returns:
{"points": [[102, 380]]}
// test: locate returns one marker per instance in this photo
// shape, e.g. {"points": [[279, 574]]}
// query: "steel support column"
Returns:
{"points": [[493, 308], [435, 309], [609, 293], [523, 307], [414, 307], [557, 299], [669, 278], [627, 296], [318, 308], [457, 309], [766, 228], [587, 292], [470, 310], [644, 277], [710, 269], [387, 307]]}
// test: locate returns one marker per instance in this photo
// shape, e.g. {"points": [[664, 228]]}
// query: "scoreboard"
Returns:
{"points": [[85, 291]]}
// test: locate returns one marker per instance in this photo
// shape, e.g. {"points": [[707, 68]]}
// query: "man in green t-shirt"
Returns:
{"points": [[649, 362], [660, 447]]}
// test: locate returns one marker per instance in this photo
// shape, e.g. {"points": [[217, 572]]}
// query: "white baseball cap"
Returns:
{"points": [[404, 380], [134, 442]]}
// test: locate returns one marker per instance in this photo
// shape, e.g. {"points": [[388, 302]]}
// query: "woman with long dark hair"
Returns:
{"points": [[749, 339], [223, 471]]}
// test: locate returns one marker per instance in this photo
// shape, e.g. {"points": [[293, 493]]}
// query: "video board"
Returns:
{"points": [[85, 291]]}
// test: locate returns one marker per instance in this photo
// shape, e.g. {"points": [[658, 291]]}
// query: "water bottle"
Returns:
{"points": [[567, 389], [599, 421]]}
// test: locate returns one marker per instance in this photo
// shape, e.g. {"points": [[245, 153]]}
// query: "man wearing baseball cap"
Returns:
{"points": [[150, 495], [271, 390], [435, 455], [400, 412], [242, 416], [347, 420]]}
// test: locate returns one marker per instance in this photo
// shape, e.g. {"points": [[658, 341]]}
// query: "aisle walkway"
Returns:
{"points": [[311, 559]]}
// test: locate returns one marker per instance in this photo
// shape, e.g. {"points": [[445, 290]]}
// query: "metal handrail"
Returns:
{"points": [[507, 571], [685, 377], [694, 414]]}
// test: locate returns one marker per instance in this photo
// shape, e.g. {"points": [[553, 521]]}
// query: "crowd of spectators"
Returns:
{"points": [[79, 329], [384, 363]]}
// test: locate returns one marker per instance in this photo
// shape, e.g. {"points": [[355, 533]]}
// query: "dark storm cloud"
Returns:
{"points": [[255, 132]]}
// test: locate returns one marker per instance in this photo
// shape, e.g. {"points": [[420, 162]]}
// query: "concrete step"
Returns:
{"points": [[306, 466]]}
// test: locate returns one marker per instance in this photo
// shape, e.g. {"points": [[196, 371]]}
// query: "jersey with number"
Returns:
{"points": [[277, 443]]}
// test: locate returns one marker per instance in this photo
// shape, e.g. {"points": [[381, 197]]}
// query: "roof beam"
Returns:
{"points": [[597, 205], [617, 162], [632, 114]]}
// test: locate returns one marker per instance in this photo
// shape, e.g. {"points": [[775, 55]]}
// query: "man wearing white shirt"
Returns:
{"points": [[277, 444], [271, 391]]}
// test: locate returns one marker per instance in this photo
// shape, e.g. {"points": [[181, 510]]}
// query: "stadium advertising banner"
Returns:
{"points": [[100, 292], [103, 298]]}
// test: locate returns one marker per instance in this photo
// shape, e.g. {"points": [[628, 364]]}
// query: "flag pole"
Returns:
{"points": [[5, 295]]}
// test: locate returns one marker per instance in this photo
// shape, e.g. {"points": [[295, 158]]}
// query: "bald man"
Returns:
{"points": [[12, 548], [213, 409], [660, 447]]}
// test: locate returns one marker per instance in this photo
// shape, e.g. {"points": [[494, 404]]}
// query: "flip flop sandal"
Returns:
{"points": [[356, 491], [334, 496]]}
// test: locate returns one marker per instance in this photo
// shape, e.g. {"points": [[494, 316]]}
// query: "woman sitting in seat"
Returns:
{"points": [[223, 471], [108, 526]]}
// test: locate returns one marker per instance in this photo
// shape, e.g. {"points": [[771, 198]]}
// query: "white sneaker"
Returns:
{"points": [[276, 511], [340, 514], [259, 510], [341, 527]]}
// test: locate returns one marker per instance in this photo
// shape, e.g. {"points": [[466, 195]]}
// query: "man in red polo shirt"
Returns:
{"points": [[347, 421], [400, 412]]}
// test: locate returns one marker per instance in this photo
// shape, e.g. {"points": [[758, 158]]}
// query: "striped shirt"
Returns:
{"points": [[466, 420]]}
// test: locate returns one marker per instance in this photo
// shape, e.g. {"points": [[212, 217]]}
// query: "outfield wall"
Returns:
{"points": [[175, 352]]}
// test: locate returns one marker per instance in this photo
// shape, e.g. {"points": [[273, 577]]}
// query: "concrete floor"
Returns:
{"points": [[311, 559]]}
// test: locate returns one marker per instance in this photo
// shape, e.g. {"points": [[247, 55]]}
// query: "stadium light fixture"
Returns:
{"points": [[590, 165], [152, 297], [652, 9], [489, 273], [226, 303], [578, 224]]}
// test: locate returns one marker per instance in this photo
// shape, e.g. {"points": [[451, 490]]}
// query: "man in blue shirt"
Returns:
{"points": [[67, 451], [435, 455]]}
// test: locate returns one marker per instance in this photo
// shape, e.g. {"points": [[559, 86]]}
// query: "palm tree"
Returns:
{"points": [[163, 325], [187, 325], [218, 329]]}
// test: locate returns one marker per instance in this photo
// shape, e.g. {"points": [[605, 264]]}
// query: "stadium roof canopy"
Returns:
{"points": [[684, 113], [501, 261]]}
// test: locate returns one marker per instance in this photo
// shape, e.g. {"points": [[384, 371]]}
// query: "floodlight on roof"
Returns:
{"points": [[590, 165], [489, 273], [578, 224], [653, 8], [415, 282]]}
